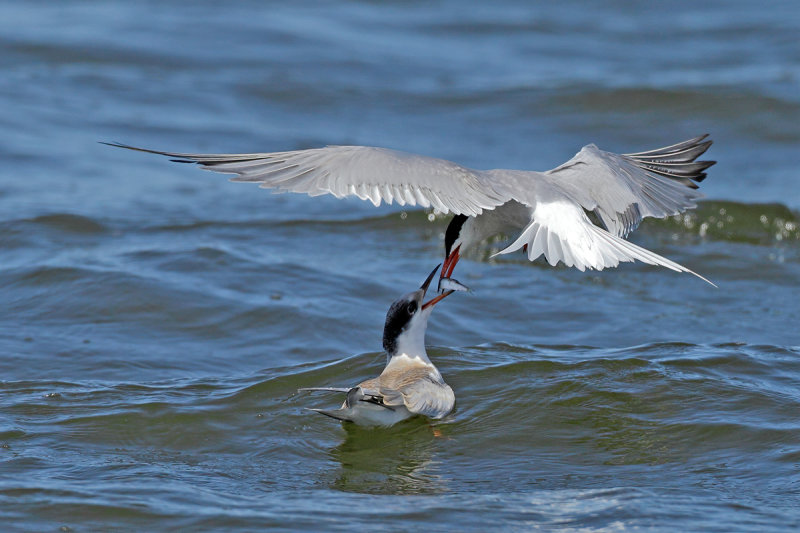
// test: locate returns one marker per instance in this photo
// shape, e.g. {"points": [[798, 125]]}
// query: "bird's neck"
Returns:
{"points": [[411, 344], [474, 231], [405, 361]]}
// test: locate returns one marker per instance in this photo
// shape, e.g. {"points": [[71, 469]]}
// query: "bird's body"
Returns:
{"points": [[578, 213], [410, 384], [507, 219]]}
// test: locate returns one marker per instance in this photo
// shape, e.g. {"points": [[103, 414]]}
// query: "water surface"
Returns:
{"points": [[157, 320]]}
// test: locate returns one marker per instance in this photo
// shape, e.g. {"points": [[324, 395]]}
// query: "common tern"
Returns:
{"points": [[578, 213], [410, 384]]}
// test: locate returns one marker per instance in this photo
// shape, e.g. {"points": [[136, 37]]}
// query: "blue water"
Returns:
{"points": [[157, 320]]}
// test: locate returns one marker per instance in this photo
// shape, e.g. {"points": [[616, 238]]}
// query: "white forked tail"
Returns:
{"points": [[561, 232]]}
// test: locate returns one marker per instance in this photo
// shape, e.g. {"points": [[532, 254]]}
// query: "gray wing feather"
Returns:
{"points": [[324, 389], [429, 398], [623, 189], [369, 173], [420, 391]]}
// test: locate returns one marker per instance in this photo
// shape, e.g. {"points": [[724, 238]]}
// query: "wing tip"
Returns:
{"points": [[117, 144], [174, 156]]}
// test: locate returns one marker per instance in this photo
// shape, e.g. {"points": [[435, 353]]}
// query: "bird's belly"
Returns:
{"points": [[513, 215], [507, 219]]}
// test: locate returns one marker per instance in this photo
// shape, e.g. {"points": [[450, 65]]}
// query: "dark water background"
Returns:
{"points": [[155, 320]]}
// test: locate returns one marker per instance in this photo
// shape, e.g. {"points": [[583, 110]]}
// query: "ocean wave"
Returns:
{"points": [[542, 411], [644, 99], [68, 223], [763, 224], [716, 220]]}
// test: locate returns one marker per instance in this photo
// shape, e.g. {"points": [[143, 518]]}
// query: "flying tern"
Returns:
{"points": [[578, 213], [410, 384]]}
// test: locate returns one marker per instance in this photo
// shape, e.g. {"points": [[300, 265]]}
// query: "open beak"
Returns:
{"points": [[427, 282], [425, 286], [445, 281], [450, 263]]}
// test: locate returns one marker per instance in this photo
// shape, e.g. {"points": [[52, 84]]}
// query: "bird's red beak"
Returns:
{"points": [[437, 299], [450, 263]]}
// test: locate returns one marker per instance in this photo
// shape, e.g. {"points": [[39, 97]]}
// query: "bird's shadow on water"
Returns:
{"points": [[396, 460]]}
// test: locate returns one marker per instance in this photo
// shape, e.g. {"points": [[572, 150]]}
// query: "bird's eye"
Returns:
{"points": [[412, 308]]}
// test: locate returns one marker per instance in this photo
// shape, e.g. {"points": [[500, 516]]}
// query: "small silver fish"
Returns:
{"points": [[450, 284]]}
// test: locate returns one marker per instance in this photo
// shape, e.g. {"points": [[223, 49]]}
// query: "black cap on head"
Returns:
{"points": [[397, 320], [453, 231]]}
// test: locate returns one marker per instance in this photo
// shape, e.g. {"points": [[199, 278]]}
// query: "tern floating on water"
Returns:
{"points": [[578, 213], [410, 384]]}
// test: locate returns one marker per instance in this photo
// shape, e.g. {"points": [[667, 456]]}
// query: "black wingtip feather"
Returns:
{"points": [[212, 162], [678, 162]]}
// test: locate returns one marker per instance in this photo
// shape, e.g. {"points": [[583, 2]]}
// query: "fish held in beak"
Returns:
{"points": [[438, 298]]}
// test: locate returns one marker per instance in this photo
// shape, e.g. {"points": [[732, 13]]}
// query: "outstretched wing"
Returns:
{"points": [[375, 174], [623, 189]]}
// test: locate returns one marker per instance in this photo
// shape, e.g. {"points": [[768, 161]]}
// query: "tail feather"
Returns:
{"points": [[324, 389], [338, 414]]}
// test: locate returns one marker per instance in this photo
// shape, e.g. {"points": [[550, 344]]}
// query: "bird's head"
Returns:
{"points": [[457, 238], [407, 321]]}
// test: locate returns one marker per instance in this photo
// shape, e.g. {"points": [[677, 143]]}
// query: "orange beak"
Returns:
{"points": [[425, 286], [450, 263], [437, 299]]}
